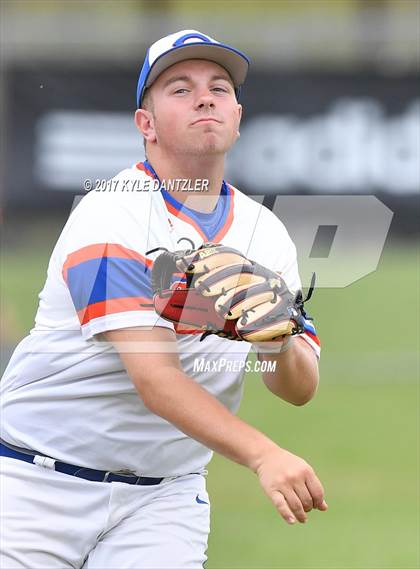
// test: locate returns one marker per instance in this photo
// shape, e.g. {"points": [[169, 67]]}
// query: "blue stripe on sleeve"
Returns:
{"points": [[310, 327], [106, 278]]}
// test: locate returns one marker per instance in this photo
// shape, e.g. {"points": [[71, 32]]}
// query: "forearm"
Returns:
{"points": [[181, 401], [295, 378], [166, 390]]}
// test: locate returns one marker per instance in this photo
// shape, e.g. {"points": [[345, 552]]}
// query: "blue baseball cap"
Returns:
{"points": [[190, 44]]}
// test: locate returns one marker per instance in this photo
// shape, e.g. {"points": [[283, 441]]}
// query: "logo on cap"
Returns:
{"points": [[190, 44]]}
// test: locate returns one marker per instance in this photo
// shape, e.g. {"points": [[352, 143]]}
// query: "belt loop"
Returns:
{"points": [[105, 478], [44, 461]]}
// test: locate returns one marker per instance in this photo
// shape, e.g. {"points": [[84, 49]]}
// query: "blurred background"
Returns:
{"points": [[331, 108]]}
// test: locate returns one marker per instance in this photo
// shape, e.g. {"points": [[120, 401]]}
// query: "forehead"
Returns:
{"points": [[194, 68]]}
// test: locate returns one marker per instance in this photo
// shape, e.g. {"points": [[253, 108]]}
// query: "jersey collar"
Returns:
{"points": [[210, 226]]}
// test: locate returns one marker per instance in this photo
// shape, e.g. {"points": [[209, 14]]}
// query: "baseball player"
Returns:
{"points": [[107, 424]]}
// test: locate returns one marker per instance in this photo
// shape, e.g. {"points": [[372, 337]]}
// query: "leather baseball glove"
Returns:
{"points": [[217, 290]]}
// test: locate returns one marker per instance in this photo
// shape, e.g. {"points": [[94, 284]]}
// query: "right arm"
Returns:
{"points": [[167, 391]]}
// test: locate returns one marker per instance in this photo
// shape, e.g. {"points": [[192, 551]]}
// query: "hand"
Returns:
{"points": [[291, 484]]}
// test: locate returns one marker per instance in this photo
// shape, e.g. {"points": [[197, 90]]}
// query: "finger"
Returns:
{"points": [[266, 321], [295, 505], [233, 303], [316, 490], [282, 507], [220, 280], [304, 496], [208, 258]]}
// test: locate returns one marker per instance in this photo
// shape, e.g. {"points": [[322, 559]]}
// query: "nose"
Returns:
{"points": [[205, 100]]}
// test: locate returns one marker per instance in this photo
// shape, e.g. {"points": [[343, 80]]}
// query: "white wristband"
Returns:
{"points": [[271, 348]]}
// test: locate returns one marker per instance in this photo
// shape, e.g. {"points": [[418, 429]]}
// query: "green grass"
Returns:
{"points": [[26, 248], [363, 442], [360, 433]]}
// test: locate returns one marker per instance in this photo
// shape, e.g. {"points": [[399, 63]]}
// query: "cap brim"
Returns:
{"points": [[235, 62]]}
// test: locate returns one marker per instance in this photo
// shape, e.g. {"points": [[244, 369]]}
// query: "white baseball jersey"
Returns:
{"points": [[68, 396]]}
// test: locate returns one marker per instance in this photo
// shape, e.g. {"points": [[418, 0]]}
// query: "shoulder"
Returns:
{"points": [[246, 205], [127, 192], [129, 183], [119, 214]]}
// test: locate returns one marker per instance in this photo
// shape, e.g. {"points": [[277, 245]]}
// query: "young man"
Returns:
{"points": [[107, 427]]}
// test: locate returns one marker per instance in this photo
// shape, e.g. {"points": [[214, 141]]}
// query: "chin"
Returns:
{"points": [[212, 145], [210, 148], [207, 144]]}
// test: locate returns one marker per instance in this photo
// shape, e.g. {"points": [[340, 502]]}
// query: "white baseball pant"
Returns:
{"points": [[51, 520]]}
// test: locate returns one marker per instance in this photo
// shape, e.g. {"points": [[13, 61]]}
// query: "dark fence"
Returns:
{"points": [[315, 133]]}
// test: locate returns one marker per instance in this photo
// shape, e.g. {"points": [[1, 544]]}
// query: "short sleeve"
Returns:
{"points": [[104, 264], [286, 264]]}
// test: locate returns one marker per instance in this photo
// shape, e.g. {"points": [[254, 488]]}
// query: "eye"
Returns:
{"points": [[220, 89], [181, 90]]}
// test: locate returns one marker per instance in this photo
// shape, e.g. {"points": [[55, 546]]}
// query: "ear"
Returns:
{"points": [[239, 108], [145, 123], [239, 112]]}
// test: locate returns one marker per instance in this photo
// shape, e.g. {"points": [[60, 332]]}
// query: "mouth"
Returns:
{"points": [[205, 120]]}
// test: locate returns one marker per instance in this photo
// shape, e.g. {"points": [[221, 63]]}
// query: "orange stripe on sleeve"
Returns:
{"points": [[313, 337], [113, 306], [99, 250]]}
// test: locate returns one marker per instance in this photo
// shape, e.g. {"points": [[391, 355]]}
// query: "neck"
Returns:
{"points": [[205, 173]]}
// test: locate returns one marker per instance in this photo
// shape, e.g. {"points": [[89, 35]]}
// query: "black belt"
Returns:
{"points": [[78, 471]]}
